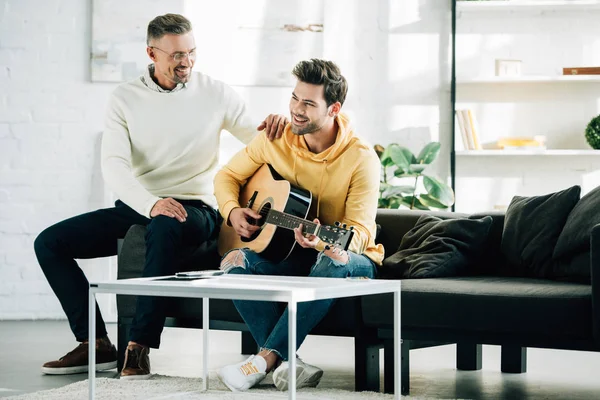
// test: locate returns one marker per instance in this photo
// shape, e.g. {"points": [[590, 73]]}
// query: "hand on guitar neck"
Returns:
{"points": [[243, 221], [311, 241]]}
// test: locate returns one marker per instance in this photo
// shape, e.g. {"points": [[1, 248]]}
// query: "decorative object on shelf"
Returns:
{"points": [[469, 129], [508, 67], [592, 133], [581, 71], [399, 163], [537, 142]]}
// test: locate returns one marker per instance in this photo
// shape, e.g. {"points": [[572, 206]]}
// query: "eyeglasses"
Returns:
{"points": [[179, 56]]}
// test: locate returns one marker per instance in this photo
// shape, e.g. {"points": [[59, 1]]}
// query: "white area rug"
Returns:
{"points": [[161, 387]]}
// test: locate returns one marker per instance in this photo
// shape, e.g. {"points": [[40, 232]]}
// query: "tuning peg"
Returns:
{"points": [[343, 226], [337, 223], [351, 228]]}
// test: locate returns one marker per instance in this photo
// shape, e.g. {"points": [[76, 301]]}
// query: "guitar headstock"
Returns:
{"points": [[337, 236]]}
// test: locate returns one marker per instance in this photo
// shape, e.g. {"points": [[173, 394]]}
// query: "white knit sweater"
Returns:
{"points": [[158, 145]]}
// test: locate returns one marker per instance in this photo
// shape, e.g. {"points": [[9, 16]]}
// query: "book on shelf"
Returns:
{"points": [[469, 129], [536, 143], [581, 71]]}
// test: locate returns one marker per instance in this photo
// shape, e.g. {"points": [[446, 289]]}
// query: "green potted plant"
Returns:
{"points": [[401, 173], [592, 133]]}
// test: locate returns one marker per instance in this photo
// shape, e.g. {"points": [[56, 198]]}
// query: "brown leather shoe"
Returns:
{"points": [[137, 362], [76, 361]]}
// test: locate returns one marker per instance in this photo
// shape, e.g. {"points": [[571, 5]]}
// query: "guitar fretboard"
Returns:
{"points": [[289, 221]]}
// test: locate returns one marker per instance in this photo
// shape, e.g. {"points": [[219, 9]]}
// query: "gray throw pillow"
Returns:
{"points": [[531, 228], [436, 248], [575, 236]]}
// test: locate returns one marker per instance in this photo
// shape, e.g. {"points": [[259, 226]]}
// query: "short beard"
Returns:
{"points": [[177, 79], [310, 128]]}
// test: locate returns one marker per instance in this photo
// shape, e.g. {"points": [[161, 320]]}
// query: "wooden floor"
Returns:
{"points": [[552, 374]]}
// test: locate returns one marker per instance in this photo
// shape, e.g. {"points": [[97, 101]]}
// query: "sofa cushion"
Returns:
{"points": [[501, 305], [491, 261], [575, 268], [575, 235], [531, 228], [395, 223], [437, 248], [572, 252]]}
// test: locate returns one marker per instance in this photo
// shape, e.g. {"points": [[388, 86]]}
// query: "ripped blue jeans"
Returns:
{"points": [[267, 323]]}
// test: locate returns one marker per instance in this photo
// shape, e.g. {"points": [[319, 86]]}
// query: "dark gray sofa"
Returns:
{"points": [[486, 307]]}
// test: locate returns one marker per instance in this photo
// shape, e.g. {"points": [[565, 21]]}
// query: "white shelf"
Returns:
{"points": [[523, 5], [531, 79], [481, 153]]}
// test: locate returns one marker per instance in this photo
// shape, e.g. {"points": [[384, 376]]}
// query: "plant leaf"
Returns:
{"points": [[409, 155], [431, 202], [383, 203], [398, 156], [395, 202], [439, 190], [385, 158], [383, 186], [408, 200], [417, 168], [393, 191], [403, 174], [429, 153]]}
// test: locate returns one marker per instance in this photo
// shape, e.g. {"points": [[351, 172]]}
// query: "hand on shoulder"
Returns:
{"points": [[274, 125]]}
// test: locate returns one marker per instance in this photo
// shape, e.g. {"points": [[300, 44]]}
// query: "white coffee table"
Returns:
{"points": [[291, 290]]}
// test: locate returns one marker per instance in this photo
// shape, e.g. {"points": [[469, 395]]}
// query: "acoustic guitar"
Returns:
{"points": [[282, 207]]}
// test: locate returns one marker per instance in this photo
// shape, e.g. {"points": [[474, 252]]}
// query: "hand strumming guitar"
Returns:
{"points": [[309, 241], [243, 221]]}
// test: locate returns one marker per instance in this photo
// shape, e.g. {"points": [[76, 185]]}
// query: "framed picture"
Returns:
{"points": [[242, 42]]}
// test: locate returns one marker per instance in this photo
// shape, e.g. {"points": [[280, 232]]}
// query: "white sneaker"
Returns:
{"points": [[242, 376], [306, 375]]}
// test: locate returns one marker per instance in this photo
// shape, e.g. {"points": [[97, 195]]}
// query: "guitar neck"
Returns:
{"points": [[288, 221]]}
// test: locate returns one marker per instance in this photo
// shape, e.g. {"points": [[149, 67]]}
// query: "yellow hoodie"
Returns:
{"points": [[344, 180]]}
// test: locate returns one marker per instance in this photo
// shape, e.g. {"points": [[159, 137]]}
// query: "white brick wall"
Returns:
{"points": [[51, 114], [50, 119]]}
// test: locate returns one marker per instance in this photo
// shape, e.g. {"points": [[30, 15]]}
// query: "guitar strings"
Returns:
{"points": [[266, 213]]}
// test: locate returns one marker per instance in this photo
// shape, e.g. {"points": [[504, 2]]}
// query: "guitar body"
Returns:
{"points": [[266, 189]]}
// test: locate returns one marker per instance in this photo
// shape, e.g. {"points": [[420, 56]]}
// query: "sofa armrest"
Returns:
{"points": [[595, 277]]}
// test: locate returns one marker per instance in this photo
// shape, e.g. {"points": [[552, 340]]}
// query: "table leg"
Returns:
{"points": [[292, 307], [205, 330], [397, 347], [92, 343]]}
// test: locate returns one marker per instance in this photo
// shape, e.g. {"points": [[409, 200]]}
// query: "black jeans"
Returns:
{"points": [[94, 235]]}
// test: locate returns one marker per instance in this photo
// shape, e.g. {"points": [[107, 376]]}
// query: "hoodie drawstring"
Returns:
{"points": [[294, 168], [321, 186]]}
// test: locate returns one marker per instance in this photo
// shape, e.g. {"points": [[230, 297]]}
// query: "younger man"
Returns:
{"points": [[320, 153]]}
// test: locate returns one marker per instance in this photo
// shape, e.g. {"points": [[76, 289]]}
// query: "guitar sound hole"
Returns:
{"points": [[264, 211]]}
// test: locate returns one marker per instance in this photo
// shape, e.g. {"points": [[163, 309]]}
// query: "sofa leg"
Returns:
{"points": [[249, 345], [468, 356], [513, 359], [122, 340], [388, 367], [366, 366]]}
